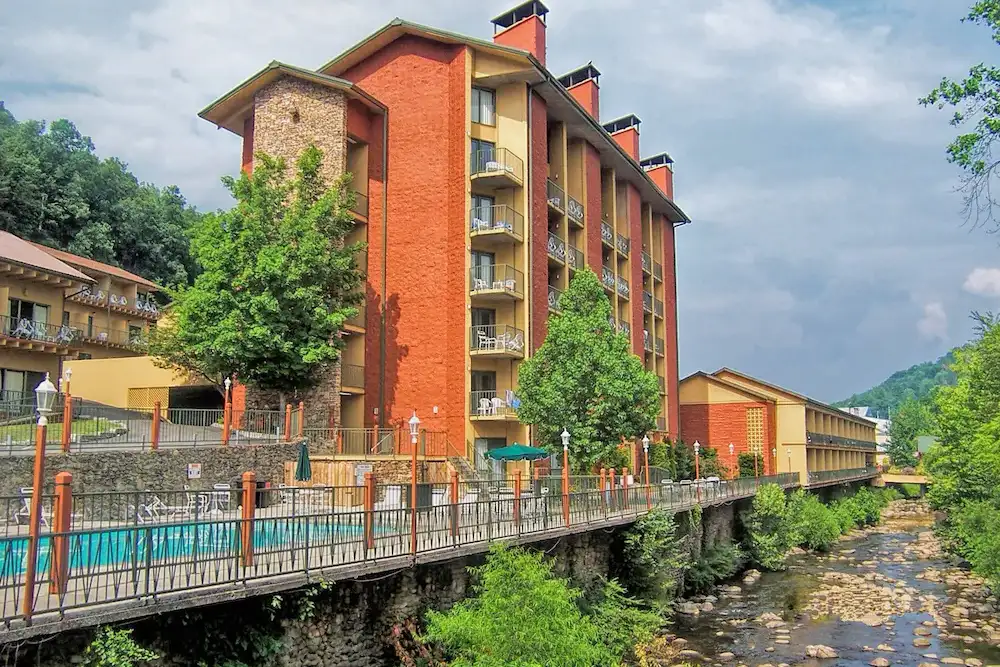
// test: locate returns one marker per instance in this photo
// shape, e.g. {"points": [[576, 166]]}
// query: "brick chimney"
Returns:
{"points": [[523, 28], [660, 170], [582, 84], [625, 131]]}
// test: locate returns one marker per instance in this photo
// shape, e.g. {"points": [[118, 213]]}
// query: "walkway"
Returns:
{"points": [[183, 550]]}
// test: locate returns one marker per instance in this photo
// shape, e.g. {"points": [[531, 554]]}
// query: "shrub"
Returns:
{"points": [[115, 648], [714, 565], [766, 527], [975, 530], [910, 490], [520, 615], [818, 527], [652, 557], [745, 461], [622, 622]]}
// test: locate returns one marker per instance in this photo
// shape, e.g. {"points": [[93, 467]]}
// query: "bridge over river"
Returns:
{"points": [[116, 556]]}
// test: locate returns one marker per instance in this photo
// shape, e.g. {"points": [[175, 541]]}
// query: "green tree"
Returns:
{"points": [[976, 103], [115, 648], [747, 466], [584, 378], [910, 420], [768, 533], [652, 558], [520, 615], [277, 285]]}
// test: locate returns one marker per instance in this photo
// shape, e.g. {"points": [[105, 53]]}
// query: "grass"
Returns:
{"points": [[26, 431]]}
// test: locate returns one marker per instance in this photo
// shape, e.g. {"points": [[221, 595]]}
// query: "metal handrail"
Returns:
{"points": [[608, 278], [647, 262], [575, 258], [622, 244], [496, 278], [622, 286], [556, 196], [498, 338], [647, 301], [607, 234], [21, 328], [496, 161], [498, 218], [574, 209], [554, 296], [556, 248], [658, 307]]}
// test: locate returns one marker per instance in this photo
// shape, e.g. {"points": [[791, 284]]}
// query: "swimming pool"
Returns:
{"points": [[180, 542]]}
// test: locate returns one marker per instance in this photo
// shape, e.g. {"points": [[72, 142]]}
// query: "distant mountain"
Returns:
{"points": [[915, 382]]}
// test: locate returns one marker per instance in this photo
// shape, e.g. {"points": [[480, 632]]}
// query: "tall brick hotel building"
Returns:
{"points": [[483, 183]]}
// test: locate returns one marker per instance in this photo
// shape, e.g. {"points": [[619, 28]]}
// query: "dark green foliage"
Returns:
{"points": [[746, 463], [652, 559], [278, 281], [54, 190], [712, 566], [584, 378], [677, 459], [622, 622], [915, 383], [911, 419], [115, 648], [910, 490], [767, 528]]}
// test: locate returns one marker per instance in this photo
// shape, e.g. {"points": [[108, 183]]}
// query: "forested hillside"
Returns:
{"points": [[56, 191], [916, 382]]}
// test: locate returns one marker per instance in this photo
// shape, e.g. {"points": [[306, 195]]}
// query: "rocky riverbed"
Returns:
{"points": [[883, 596]]}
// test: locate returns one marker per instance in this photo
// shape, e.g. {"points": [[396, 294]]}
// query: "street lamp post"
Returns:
{"points": [[414, 430], [227, 412], [565, 476], [788, 453], [45, 395], [697, 470], [645, 460], [732, 459], [774, 458], [69, 376]]}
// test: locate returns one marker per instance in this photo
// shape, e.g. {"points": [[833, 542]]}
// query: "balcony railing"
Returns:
{"points": [[647, 301], [657, 271], [492, 404], [658, 307], [556, 196], [647, 341], [814, 438], [663, 384], [843, 475], [497, 219], [622, 287], [607, 235], [574, 257], [360, 205], [500, 339], [608, 278], [622, 245], [659, 346], [359, 319], [612, 323], [497, 162], [352, 375], [114, 338], [647, 262], [28, 330], [557, 248], [496, 278], [144, 305], [554, 296], [574, 210], [624, 328]]}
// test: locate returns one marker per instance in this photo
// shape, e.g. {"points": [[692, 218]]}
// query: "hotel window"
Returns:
{"points": [[484, 106], [27, 310], [755, 430]]}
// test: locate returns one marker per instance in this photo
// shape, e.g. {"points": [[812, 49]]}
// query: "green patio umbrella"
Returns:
{"points": [[517, 452], [303, 469]]}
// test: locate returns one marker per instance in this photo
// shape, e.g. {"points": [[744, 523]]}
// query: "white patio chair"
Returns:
{"points": [[393, 499], [479, 284], [516, 343], [484, 406], [24, 328], [485, 342], [496, 405], [25, 510], [220, 496]]}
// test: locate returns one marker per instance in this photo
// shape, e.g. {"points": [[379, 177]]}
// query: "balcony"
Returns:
{"points": [[496, 340], [498, 168], [498, 223], [144, 306], [647, 263], [27, 334], [663, 384], [360, 205], [611, 323], [574, 257], [659, 346], [647, 301], [554, 297], [608, 278], [624, 328], [496, 282], [661, 424], [556, 197], [647, 341], [814, 438], [557, 249], [607, 235], [117, 338], [622, 245], [574, 210], [356, 324], [352, 379], [657, 271], [491, 405], [826, 477], [622, 285], [658, 308]]}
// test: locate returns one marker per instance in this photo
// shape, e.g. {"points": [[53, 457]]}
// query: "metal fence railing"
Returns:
{"points": [[99, 549], [498, 218], [497, 162], [843, 475]]}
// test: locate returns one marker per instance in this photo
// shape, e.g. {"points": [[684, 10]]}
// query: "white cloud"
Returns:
{"points": [[934, 324], [984, 282]]}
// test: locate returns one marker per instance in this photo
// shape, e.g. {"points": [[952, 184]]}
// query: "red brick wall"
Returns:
{"points": [[423, 83], [629, 140], [664, 179], [719, 424], [589, 96], [375, 286], [634, 207], [528, 34], [360, 121], [592, 174], [539, 220], [670, 326]]}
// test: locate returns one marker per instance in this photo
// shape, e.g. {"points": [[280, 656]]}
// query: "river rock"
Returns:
{"points": [[922, 632], [879, 662], [707, 606], [689, 608], [690, 654], [820, 651], [928, 664], [973, 662], [728, 656], [921, 642], [885, 648], [952, 661]]}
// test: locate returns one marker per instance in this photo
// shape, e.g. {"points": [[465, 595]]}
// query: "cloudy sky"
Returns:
{"points": [[828, 248]]}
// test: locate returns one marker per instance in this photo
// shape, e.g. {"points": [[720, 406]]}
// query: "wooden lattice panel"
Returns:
{"points": [[755, 430]]}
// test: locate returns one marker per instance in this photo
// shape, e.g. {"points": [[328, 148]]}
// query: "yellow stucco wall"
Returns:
{"points": [[109, 380], [700, 390]]}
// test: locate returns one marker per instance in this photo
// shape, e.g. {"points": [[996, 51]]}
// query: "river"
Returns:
{"points": [[883, 596]]}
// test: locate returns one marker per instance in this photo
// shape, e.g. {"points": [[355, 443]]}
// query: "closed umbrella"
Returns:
{"points": [[303, 469]]}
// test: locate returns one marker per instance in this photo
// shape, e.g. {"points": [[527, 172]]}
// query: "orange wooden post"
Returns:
{"points": [[413, 495], [288, 422], [340, 442], [604, 486], [227, 421], [625, 488], [369, 510], [302, 418], [246, 525], [614, 491], [649, 499], [517, 499], [67, 422], [454, 503], [154, 428], [61, 525], [34, 519], [565, 486]]}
